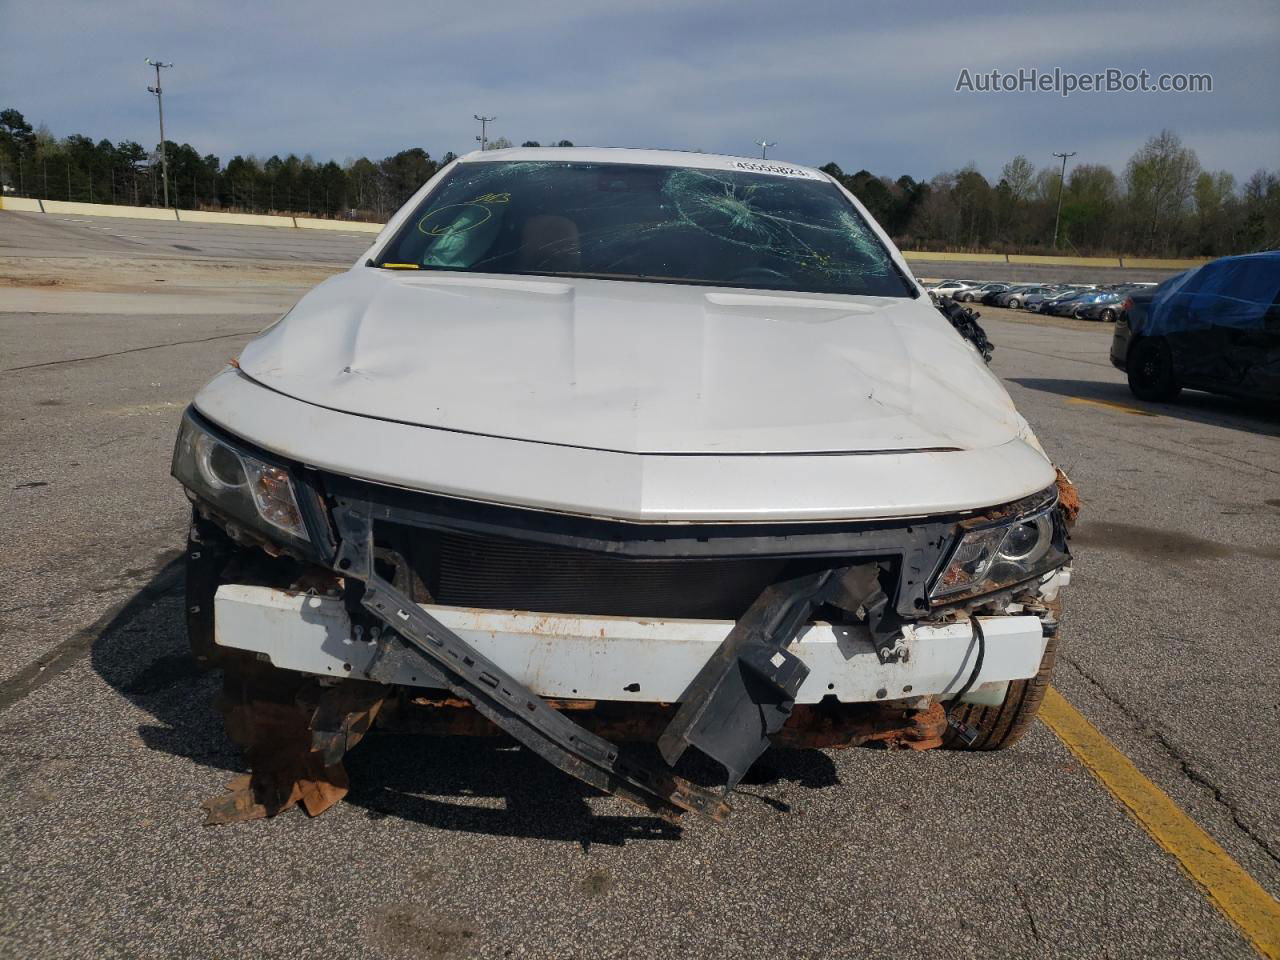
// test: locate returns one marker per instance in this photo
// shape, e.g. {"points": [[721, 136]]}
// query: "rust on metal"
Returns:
{"points": [[1068, 497], [824, 725], [294, 733]]}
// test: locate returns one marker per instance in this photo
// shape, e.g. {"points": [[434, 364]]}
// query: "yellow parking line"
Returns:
{"points": [[1109, 405], [1229, 887]]}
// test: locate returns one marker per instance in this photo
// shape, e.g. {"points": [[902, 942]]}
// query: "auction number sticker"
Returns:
{"points": [[777, 169]]}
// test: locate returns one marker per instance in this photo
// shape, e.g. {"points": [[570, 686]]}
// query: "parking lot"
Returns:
{"points": [[109, 740]]}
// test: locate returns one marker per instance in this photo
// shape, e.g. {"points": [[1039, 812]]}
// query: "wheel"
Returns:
{"points": [[1014, 303], [1108, 316], [1150, 370], [1003, 726]]}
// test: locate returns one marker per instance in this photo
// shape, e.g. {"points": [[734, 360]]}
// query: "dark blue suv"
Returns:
{"points": [[1215, 328]]}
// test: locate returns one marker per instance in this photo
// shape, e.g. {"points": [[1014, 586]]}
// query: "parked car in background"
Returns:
{"points": [[1064, 305], [1034, 301], [1015, 299], [949, 288], [1103, 306], [1214, 328], [1074, 304], [978, 293], [989, 299], [1128, 287]]}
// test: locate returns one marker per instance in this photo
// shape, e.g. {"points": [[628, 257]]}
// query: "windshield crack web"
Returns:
{"points": [[631, 221]]}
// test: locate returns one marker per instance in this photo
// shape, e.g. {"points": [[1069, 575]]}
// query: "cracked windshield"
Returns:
{"points": [[635, 222]]}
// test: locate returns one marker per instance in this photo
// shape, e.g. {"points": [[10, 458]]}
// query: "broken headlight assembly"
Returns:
{"points": [[1003, 554], [238, 484]]}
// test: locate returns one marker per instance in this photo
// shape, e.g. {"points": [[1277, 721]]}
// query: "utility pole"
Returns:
{"points": [[764, 146], [164, 159], [1061, 182], [484, 130]]}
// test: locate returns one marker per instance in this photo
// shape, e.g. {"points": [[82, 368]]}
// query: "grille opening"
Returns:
{"points": [[497, 573]]}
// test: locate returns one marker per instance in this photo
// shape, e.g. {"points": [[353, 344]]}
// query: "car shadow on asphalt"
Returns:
{"points": [[476, 785], [1194, 406], [504, 790]]}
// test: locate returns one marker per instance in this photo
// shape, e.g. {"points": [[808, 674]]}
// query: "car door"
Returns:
{"points": [[1251, 322], [1180, 318], [1216, 325]]}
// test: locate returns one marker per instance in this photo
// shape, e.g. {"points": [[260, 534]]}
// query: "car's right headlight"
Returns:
{"points": [[239, 484], [1003, 554]]}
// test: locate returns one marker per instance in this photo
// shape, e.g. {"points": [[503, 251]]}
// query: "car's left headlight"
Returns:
{"points": [[239, 484], [1003, 554]]}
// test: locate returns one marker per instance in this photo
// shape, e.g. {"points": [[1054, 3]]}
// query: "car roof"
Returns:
{"points": [[663, 158], [1261, 255]]}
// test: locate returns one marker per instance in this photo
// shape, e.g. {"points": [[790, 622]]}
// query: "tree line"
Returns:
{"points": [[1162, 204]]}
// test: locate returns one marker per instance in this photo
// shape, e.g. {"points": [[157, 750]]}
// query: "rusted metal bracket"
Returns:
{"points": [[498, 696]]}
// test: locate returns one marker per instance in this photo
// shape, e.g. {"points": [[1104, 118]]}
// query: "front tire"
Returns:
{"points": [[1150, 371], [1001, 727], [1108, 316]]}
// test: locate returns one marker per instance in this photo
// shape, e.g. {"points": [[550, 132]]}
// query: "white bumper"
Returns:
{"points": [[614, 658]]}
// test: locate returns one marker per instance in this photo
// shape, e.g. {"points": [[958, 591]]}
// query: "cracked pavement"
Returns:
{"points": [[108, 740]]}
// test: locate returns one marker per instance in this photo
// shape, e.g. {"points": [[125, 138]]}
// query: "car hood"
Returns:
{"points": [[635, 367]]}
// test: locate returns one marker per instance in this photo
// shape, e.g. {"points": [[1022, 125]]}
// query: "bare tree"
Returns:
{"points": [[1160, 178], [1019, 175]]}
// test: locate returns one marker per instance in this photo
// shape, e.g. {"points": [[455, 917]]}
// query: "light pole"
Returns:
{"points": [[164, 159], [484, 130], [1061, 181], [764, 146]]}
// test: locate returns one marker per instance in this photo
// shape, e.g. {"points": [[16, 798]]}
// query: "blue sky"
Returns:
{"points": [[867, 85]]}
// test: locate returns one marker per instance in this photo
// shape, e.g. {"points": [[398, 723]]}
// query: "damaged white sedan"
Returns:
{"points": [[600, 446]]}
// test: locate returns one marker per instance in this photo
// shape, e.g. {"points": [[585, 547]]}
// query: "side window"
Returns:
{"points": [[1271, 321]]}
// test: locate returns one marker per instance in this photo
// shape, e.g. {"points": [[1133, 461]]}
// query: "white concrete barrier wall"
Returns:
{"points": [[243, 219], [71, 208], [350, 226], [67, 208], [25, 204]]}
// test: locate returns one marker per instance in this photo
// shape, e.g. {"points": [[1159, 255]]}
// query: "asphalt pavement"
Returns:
{"points": [[109, 740]]}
